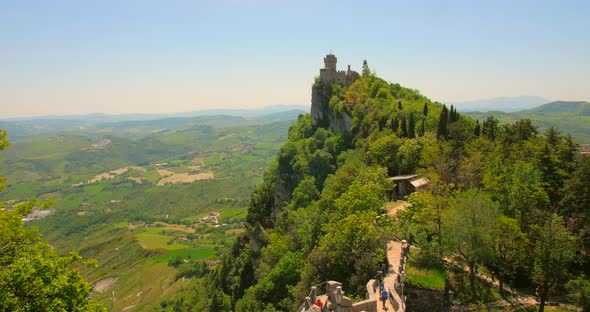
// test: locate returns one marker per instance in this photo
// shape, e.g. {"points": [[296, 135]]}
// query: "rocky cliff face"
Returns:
{"points": [[321, 114]]}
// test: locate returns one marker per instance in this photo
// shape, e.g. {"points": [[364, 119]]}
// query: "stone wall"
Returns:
{"points": [[423, 300], [369, 305]]}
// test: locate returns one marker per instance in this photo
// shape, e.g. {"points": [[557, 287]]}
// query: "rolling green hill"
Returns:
{"points": [[132, 202], [567, 117]]}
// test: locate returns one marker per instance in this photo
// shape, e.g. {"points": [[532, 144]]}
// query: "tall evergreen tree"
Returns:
{"points": [[421, 130], [366, 70], [425, 111], [443, 121], [399, 105], [395, 124], [477, 129], [491, 128], [411, 127], [404, 128]]}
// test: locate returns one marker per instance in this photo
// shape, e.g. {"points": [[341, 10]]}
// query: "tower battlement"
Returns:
{"points": [[330, 74]]}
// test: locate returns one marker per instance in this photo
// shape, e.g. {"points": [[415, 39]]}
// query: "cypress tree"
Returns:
{"points": [[411, 127], [395, 124], [491, 127], [453, 115], [477, 130], [421, 129], [425, 109], [404, 128], [443, 121], [366, 69], [399, 105]]}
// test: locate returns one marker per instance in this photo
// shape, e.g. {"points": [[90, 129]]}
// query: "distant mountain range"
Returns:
{"points": [[138, 125], [502, 104], [101, 117]]}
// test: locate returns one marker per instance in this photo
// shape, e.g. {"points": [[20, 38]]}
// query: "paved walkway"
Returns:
{"points": [[394, 251]]}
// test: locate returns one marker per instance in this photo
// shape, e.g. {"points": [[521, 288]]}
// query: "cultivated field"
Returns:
{"points": [[185, 178]]}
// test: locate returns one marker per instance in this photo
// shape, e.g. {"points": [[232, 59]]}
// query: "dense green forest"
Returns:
{"points": [[508, 202]]}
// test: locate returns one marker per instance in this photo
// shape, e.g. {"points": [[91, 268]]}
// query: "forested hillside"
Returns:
{"points": [[506, 201]]}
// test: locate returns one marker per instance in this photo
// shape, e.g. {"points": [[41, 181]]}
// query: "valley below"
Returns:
{"points": [[153, 209]]}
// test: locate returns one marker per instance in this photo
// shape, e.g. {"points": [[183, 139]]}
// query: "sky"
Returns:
{"points": [[126, 56]]}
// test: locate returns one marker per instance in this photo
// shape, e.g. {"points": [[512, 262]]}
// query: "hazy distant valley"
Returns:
{"points": [[136, 194]]}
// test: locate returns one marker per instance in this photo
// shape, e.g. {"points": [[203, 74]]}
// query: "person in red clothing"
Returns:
{"points": [[319, 303]]}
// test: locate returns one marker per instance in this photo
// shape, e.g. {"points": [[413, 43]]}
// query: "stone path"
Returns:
{"points": [[394, 250]]}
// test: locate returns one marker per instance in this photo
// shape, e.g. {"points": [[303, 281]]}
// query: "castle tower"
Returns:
{"points": [[330, 61], [329, 74]]}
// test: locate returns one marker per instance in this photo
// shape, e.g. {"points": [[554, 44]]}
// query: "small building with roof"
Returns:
{"points": [[406, 184]]}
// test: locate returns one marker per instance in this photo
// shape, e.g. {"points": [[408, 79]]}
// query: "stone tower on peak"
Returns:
{"points": [[330, 61], [330, 74], [321, 114]]}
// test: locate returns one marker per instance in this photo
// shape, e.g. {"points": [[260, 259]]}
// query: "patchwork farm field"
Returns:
{"points": [[142, 202]]}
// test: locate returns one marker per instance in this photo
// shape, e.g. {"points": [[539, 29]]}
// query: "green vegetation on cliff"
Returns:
{"points": [[496, 193]]}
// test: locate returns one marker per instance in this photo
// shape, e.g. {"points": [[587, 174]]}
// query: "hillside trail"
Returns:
{"points": [[394, 250]]}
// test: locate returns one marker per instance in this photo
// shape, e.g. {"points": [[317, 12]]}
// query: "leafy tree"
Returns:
{"points": [[520, 131], [305, 193], [262, 203], [33, 277], [365, 193], [510, 245], [468, 227], [490, 128], [354, 249], [552, 173], [575, 205], [383, 151], [425, 217], [472, 165], [383, 93], [219, 302], [525, 191], [579, 289], [553, 249], [409, 155], [438, 162]]}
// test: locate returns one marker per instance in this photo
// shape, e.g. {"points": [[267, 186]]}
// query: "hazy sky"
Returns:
{"points": [[122, 56]]}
